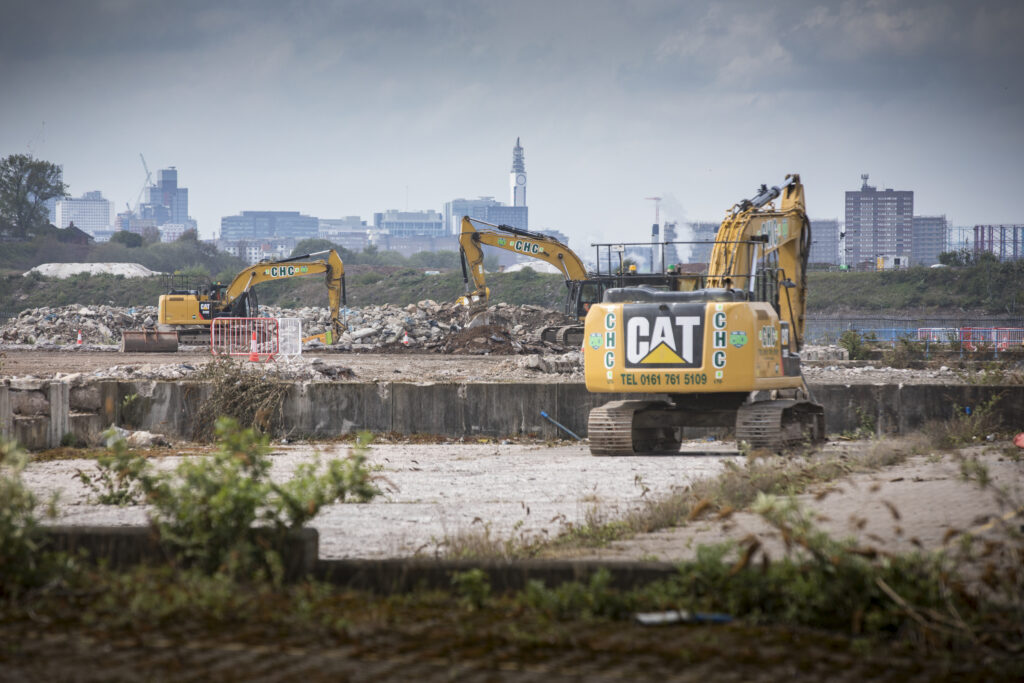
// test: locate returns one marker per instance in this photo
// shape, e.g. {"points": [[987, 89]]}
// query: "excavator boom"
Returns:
{"points": [[534, 244]]}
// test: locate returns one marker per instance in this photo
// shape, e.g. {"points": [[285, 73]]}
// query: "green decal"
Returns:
{"points": [[595, 340], [738, 339]]}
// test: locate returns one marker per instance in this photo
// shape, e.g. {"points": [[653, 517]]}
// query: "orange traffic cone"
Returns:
{"points": [[405, 338], [254, 355], [79, 342]]}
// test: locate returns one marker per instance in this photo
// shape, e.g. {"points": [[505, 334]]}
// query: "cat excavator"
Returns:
{"points": [[185, 314], [725, 355], [583, 288]]}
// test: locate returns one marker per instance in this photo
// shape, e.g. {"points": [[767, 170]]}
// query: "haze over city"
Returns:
{"points": [[349, 108]]}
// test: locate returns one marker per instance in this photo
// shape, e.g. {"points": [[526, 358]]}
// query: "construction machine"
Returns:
{"points": [[726, 355], [583, 288], [186, 314]]}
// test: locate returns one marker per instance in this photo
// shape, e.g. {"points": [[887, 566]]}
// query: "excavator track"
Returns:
{"points": [[566, 335], [613, 430], [780, 423]]}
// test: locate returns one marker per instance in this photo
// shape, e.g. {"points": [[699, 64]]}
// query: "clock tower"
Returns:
{"points": [[517, 179]]}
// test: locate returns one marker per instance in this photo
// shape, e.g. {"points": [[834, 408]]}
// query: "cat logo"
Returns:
{"points": [[665, 336]]}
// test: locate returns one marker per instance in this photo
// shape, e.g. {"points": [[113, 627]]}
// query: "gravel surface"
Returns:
{"points": [[433, 491], [534, 490], [902, 509]]}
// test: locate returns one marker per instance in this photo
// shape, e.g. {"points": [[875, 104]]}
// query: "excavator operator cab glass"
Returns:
{"points": [[583, 294]]}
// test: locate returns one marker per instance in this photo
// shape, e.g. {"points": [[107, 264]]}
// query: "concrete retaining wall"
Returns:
{"points": [[120, 548], [496, 410]]}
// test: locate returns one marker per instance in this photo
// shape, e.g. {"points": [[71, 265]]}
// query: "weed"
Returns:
{"points": [[22, 564], [903, 352], [70, 440], [866, 426], [252, 399], [994, 373], [856, 345], [473, 587], [206, 509], [968, 425]]}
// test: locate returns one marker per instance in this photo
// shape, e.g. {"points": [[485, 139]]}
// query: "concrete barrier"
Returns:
{"points": [[121, 548], [327, 409]]}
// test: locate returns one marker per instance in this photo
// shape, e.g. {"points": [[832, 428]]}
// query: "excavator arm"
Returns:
{"points": [[296, 266], [753, 234], [533, 244]]}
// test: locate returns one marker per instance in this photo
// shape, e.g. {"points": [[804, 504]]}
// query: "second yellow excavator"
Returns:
{"points": [[583, 288], [185, 314]]}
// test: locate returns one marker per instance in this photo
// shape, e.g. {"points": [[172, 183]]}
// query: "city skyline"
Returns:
{"points": [[361, 107]]}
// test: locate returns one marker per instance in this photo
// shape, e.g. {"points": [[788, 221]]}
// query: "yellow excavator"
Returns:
{"points": [[583, 288], [185, 314], [726, 355]]}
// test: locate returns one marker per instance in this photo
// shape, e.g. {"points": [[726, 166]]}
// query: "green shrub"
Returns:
{"points": [[222, 512], [855, 345], [22, 562]]}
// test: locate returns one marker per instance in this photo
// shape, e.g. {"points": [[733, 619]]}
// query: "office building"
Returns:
{"points": [[824, 241], [410, 223], [165, 202], [929, 241], [90, 212], [262, 225], [879, 224]]}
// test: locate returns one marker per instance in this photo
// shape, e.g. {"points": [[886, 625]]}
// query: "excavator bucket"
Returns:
{"points": [[148, 341]]}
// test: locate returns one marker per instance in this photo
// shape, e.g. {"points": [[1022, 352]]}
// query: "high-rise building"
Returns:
{"points": [[879, 224], [410, 223], [929, 239], [824, 241], [165, 202], [90, 212], [1006, 242], [258, 225]]}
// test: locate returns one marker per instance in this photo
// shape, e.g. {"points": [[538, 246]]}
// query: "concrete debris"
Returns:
{"points": [[55, 327], [567, 363], [139, 439], [824, 353], [425, 326]]}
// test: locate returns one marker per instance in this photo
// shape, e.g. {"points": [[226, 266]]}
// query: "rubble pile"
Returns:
{"points": [[428, 325], [570, 363], [99, 325]]}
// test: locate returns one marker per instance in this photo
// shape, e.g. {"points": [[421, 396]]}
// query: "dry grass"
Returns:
{"points": [[735, 489]]}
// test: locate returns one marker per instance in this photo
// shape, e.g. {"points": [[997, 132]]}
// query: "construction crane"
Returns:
{"points": [[149, 181]]}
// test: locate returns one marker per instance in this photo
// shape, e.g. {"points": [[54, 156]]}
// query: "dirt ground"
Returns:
{"points": [[408, 365], [434, 492]]}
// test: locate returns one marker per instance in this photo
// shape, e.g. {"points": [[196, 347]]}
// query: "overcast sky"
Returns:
{"points": [[352, 107]]}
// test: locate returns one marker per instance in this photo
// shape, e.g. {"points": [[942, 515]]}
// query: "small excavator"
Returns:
{"points": [[583, 288], [185, 315], [726, 355]]}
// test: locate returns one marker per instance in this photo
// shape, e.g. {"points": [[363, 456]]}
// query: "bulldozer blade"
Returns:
{"points": [[148, 341]]}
